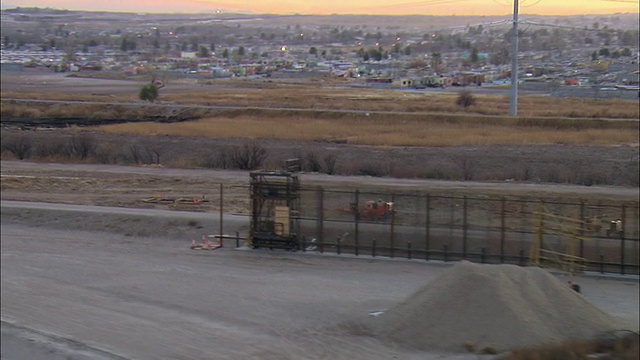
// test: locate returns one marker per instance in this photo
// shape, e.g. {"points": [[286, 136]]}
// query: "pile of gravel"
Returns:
{"points": [[498, 306]]}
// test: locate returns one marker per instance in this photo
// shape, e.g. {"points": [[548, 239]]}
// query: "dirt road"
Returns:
{"points": [[104, 292], [128, 186]]}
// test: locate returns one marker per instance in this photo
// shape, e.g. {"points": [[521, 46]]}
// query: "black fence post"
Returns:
{"points": [[237, 239], [393, 221], [409, 249], [622, 236], [427, 228], [502, 229], [464, 227], [356, 234], [338, 245], [581, 231], [321, 214]]}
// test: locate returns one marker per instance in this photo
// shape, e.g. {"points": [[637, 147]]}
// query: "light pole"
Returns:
{"points": [[513, 107]]}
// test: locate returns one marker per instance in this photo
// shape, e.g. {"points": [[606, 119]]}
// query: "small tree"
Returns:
{"points": [[149, 92], [203, 52], [465, 99]]}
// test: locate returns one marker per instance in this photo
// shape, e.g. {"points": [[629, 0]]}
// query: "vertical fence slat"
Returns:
{"points": [[464, 227], [427, 227], [392, 230], [321, 214], [502, 228], [357, 218], [581, 231], [622, 238]]}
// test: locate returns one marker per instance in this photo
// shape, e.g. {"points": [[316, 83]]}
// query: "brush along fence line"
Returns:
{"points": [[600, 237]]}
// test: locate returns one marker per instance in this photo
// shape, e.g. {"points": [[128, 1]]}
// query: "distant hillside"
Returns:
{"points": [[419, 22]]}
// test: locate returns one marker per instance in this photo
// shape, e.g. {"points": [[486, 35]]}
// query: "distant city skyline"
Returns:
{"points": [[324, 7]]}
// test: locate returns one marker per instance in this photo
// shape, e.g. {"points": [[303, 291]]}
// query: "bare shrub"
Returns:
{"points": [[330, 161], [440, 172], [312, 162], [373, 169], [51, 148], [466, 167], [465, 99], [19, 145], [209, 161], [224, 161], [155, 152], [136, 154], [248, 156], [216, 160], [106, 154], [81, 145]]}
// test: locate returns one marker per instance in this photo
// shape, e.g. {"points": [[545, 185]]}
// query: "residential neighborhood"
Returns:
{"points": [[583, 56]]}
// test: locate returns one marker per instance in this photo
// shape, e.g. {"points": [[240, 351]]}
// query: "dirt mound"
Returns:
{"points": [[503, 306]]}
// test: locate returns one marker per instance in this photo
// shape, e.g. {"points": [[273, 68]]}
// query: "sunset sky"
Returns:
{"points": [[376, 7]]}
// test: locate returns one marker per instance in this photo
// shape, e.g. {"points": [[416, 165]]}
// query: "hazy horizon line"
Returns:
{"points": [[249, 12]]}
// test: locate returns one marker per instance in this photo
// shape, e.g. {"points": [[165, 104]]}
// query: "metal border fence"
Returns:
{"points": [[477, 228], [452, 227]]}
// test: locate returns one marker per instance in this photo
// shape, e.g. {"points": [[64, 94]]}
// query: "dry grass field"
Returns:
{"points": [[403, 128]]}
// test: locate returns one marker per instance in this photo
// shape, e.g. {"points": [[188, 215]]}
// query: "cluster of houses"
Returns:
{"points": [[381, 73]]}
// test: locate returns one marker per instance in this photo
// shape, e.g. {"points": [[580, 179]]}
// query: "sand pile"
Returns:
{"points": [[502, 306]]}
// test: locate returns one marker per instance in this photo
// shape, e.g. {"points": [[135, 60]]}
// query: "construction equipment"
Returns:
{"points": [[275, 200], [372, 210], [561, 252]]}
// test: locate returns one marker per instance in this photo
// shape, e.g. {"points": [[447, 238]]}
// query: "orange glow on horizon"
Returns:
{"points": [[325, 7]]}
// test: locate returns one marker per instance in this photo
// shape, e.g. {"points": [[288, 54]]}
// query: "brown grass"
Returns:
{"points": [[273, 95], [317, 95], [61, 96], [383, 130], [320, 112]]}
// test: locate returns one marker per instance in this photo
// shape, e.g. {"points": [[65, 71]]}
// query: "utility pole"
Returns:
{"points": [[513, 107]]}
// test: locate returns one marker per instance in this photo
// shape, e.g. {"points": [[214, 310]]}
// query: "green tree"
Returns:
{"points": [[149, 92], [604, 52], [203, 52], [474, 55]]}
